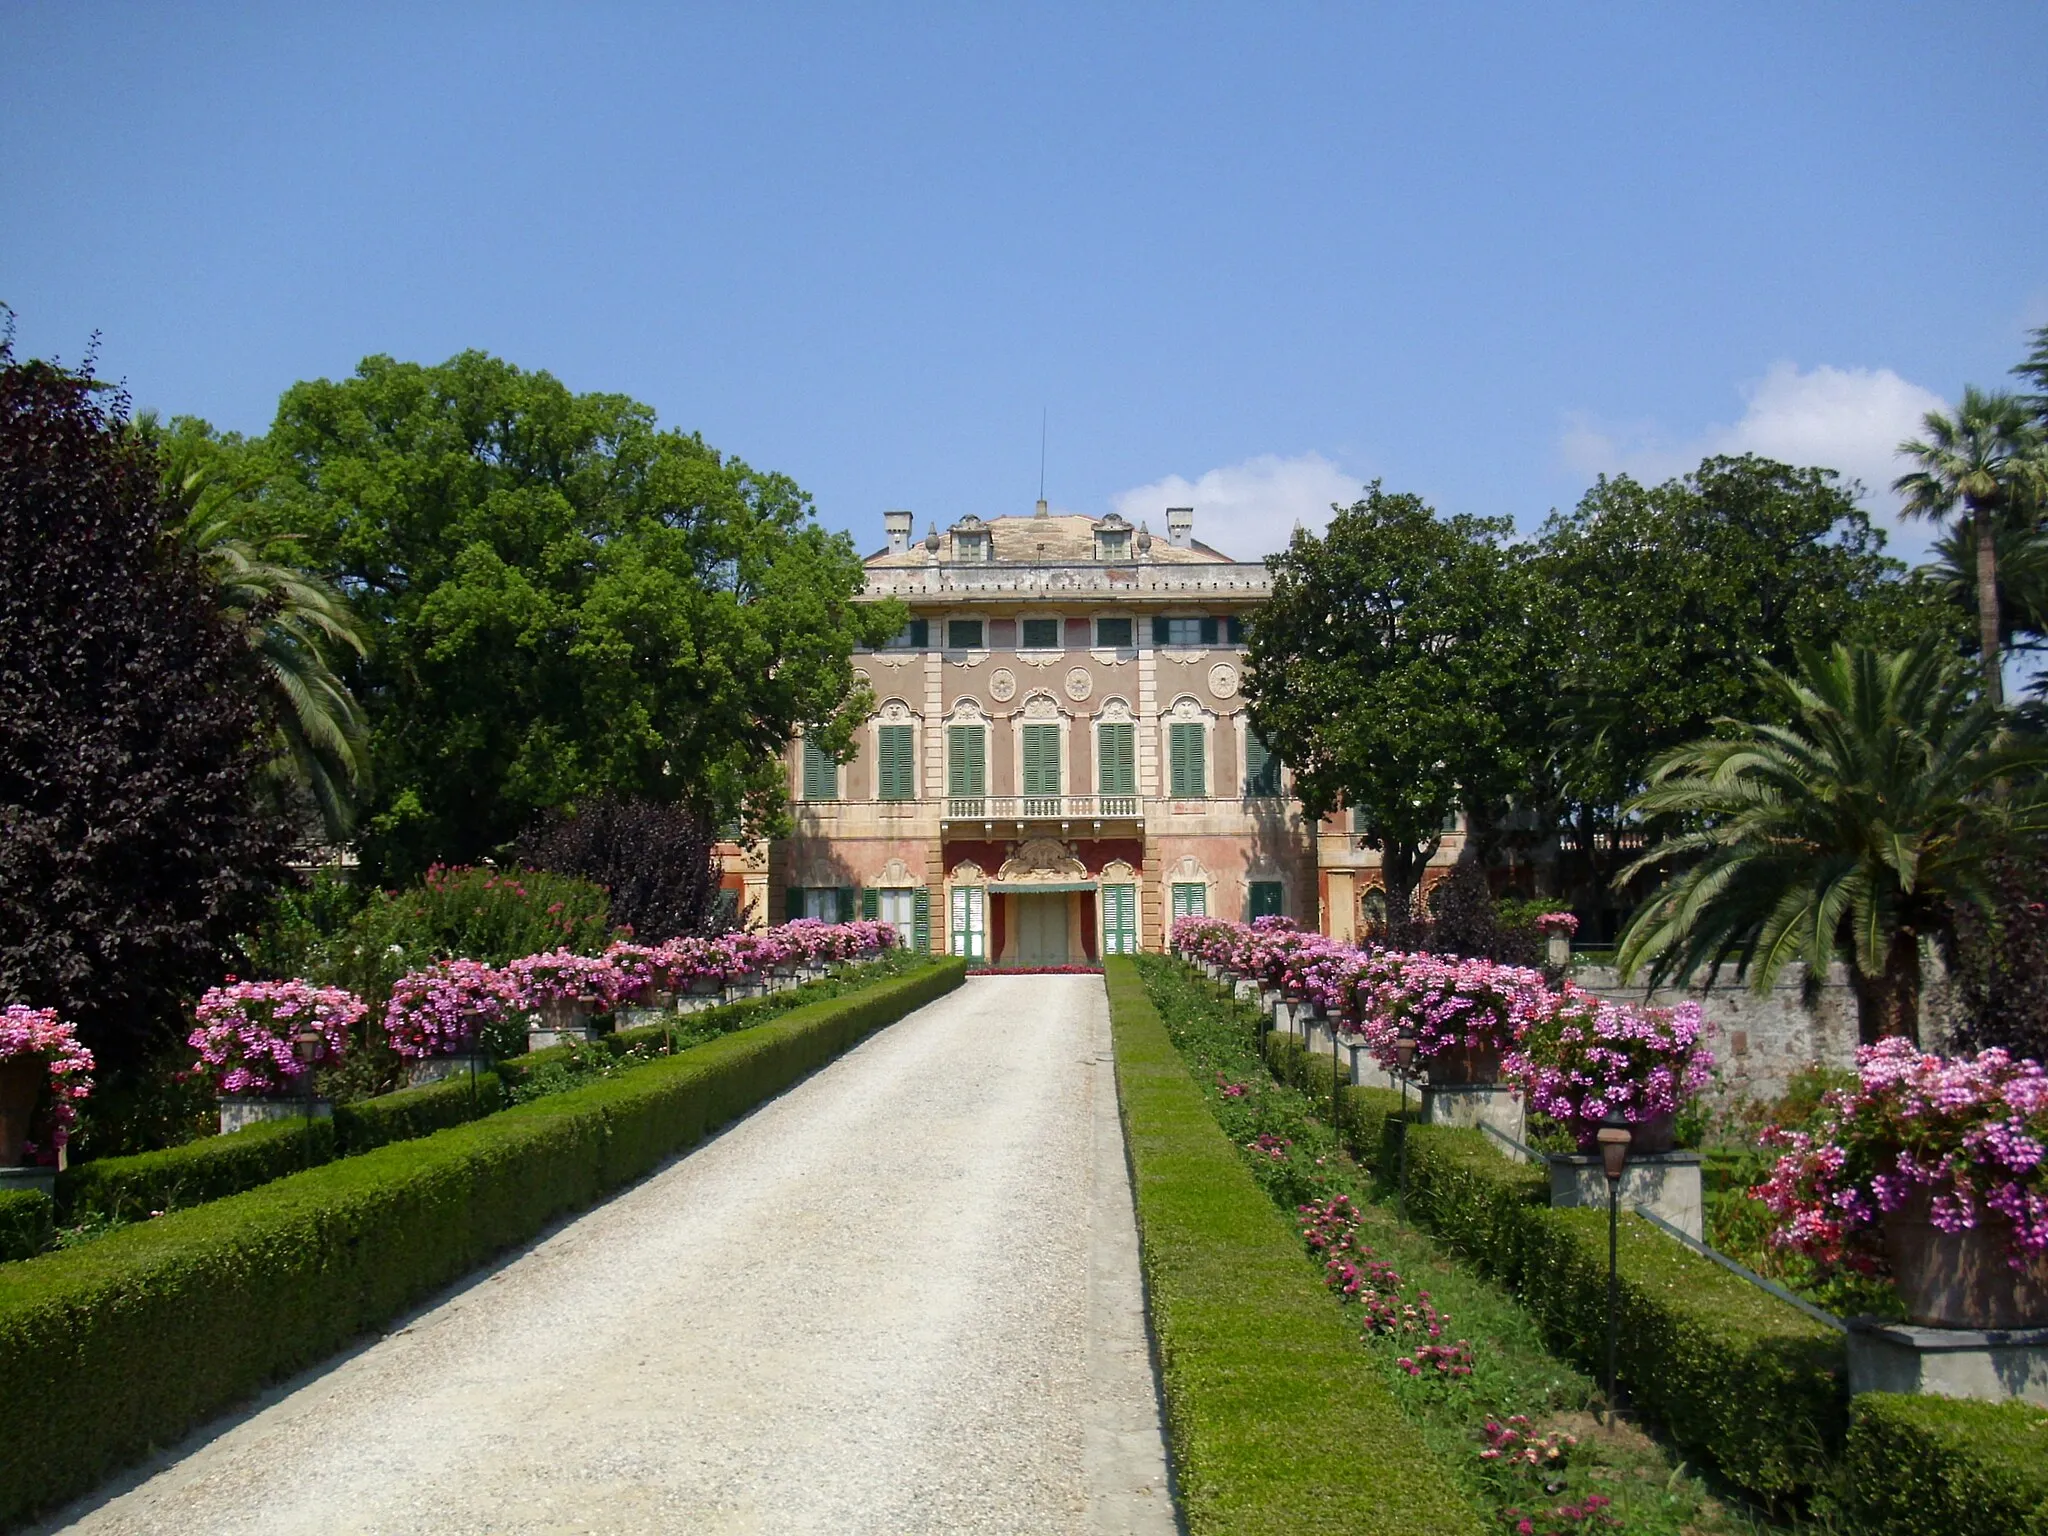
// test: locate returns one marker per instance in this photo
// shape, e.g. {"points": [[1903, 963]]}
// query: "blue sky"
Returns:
{"points": [[1245, 256]]}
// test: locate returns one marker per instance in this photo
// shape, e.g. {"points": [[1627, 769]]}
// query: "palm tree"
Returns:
{"points": [[1848, 833], [1989, 460], [2022, 551], [296, 621]]}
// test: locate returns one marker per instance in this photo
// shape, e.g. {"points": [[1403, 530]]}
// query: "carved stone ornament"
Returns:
{"points": [[968, 658], [895, 873], [894, 660], [1042, 861], [1079, 684], [1041, 706], [1002, 684], [1223, 680], [967, 872]]}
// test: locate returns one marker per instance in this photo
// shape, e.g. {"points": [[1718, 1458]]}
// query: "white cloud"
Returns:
{"points": [[1248, 509], [1846, 419]]}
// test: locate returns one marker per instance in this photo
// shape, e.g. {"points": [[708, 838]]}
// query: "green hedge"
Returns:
{"points": [[1925, 1464], [27, 1219], [214, 1167], [128, 1342], [1278, 1420]]}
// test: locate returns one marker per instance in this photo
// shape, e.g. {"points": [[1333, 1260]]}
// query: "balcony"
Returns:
{"points": [[990, 809]]}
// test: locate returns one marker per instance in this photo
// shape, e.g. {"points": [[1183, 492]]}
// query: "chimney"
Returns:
{"points": [[1041, 512], [1180, 524], [898, 524]]}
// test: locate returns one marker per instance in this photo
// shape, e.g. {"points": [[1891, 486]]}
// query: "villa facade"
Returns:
{"points": [[1060, 761]]}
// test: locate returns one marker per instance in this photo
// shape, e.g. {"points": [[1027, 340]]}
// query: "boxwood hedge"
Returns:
{"points": [[1278, 1420], [27, 1217], [128, 1342], [1921, 1464]]}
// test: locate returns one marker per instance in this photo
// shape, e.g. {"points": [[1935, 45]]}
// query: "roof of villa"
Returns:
{"points": [[1056, 539]]}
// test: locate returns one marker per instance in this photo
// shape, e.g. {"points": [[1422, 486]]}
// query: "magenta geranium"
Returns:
{"points": [[1557, 922], [38, 1032], [442, 1010], [1584, 1059], [244, 1032], [563, 977], [1965, 1137]]}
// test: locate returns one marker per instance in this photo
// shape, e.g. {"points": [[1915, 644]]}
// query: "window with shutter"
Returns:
{"points": [[845, 914], [896, 763], [870, 904], [1116, 751], [969, 935], [1041, 760], [967, 761], [1233, 630], [1267, 898], [1208, 631], [921, 920], [1190, 900], [793, 903], [1114, 634], [821, 773], [1261, 767], [1162, 630], [1188, 776], [1120, 919], [1041, 634]]}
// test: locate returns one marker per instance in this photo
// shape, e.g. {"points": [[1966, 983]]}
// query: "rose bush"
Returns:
{"points": [[244, 1032], [1967, 1133], [26, 1031]]}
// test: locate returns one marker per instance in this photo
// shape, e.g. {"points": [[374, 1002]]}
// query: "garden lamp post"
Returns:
{"points": [[1404, 1058], [308, 1044], [1336, 1104], [1614, 1139]]}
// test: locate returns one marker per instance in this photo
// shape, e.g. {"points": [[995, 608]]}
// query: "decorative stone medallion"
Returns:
{"points": [[1002, 684], [1079, 684], [1223, 680]]}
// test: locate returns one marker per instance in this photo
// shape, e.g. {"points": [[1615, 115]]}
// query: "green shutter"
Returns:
{"points": [[1161, 634], [845, 904], [870, 904], [921, 921], [895, 763], [1120, 919], [1233, 630], [1268, 897], [1116, 747], [821, 773], [793, 903], [1208, 631], [1041, 759], [1261, 767], [967, 770], [1189, 776]]}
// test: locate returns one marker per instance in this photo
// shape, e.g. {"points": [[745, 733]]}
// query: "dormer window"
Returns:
{"points": [[1113, 538], [971, 541]]}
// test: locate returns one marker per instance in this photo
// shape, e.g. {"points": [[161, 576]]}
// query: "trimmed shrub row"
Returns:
{"points": [[1278, 1420], [214, 1167], [1922, 1464], [1733, 1375], [128, 1342], [27, 1218]]}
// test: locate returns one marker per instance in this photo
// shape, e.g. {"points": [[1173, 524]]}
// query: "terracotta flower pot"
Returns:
{"points": [[21, 1085], [1463, 1065], [1962, 1279]]}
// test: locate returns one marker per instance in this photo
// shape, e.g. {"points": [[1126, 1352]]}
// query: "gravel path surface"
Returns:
{"points": [[903, 1297]]}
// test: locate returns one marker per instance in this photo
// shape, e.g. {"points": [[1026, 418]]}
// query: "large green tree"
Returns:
{"points": [[562, 599], [1659, 604], [1386, 671], [1853, 831]]}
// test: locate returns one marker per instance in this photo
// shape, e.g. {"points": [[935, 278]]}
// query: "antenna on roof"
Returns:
{"points": [[1042, 413]]}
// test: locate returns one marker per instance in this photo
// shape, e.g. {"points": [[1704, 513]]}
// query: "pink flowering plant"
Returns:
{"points": [[1584, 1058], [1966, 1135], [243, 1032], [1452, 1003], [448, 1008], [562, 976], [1548, 923], [38, 1032]]}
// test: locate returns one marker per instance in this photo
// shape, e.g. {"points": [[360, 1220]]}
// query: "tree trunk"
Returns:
{"points": [[1987, 604], [1889, 1003], [1401, 867]]}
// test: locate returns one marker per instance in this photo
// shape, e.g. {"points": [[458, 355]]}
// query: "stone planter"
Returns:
{"points": [[558, 1021], [239, 1111], [1664, 1183], [1962, 1280], [438, 1069], [1649, 1137], [1363, 1067], [1470, 1105], [21, 1088], [654, 1007], [1996, 1365], [1463, 1066], [40, 1178], [1557, 949]]}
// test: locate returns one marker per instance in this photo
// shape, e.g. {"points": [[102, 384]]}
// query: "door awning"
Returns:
{"points": [[1039, 887]]}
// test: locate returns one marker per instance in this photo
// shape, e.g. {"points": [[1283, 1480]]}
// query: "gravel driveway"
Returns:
{"points": [[903, 1297]]}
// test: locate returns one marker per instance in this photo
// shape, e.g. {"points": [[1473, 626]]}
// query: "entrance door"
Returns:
{"points": [[969, 930], [1042, 929], [899, 910], [1119, 919]]}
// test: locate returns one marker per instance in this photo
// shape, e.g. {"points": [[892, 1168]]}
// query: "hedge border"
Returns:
{"points": [[1921, 1464], [1733, 1376], [131, 1341], [1278, 1421], [27, 1218]]}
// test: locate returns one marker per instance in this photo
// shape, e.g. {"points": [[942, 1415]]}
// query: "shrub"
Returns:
{"points": [[1279, 1423], [658, 863], [130, 1341], [1923, 1464], [27, 1221]]}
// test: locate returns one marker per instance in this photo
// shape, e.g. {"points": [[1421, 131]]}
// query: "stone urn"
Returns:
{"points": [[21, 1087], [1962, 1279], [558, 1021], [438, 1069], [1464, 1066], [239, 1111]]}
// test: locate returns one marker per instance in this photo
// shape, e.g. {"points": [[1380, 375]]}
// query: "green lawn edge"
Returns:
{"points": [[1276, 1418], [121, 1346]]}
